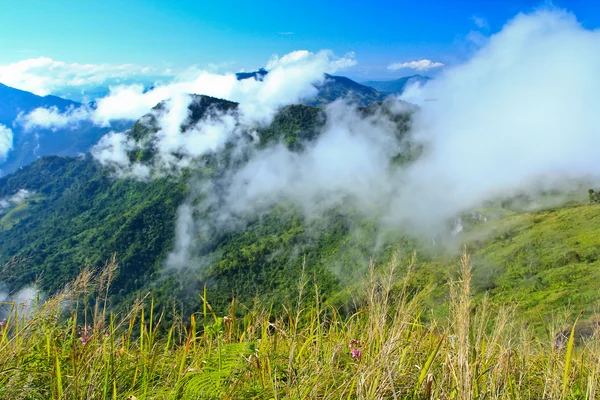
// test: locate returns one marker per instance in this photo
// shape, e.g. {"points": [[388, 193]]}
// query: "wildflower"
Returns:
{"points": [[2, 323], [85, 334], [356, 353]]}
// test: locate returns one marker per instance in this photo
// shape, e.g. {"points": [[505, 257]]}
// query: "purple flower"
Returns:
{"points": [[355, 352], [85, 334]]}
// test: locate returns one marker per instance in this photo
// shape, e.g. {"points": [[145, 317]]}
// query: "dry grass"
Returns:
{"points": [[388, 349]]}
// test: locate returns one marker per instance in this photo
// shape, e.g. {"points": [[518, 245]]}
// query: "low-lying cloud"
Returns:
{"points": [[6, 141], [291, 78], [518, 116], [6, 203], [520, 113]]}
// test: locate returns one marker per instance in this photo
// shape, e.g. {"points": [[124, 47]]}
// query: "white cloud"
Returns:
{"points": [[113, 148], [420, 65], [290, 79], [348, 164], [44, 75], [52, 118], [10, 201], [518, 117], [520, 112], [6, 141]]}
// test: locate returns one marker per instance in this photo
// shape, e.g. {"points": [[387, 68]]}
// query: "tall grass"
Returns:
{"points": [[72, 347]]}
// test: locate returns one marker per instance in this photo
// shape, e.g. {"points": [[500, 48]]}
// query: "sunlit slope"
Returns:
{"points": [[543, 261]]}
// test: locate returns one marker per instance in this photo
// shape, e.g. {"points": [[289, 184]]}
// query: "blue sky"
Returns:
{"points": [[243, 35]]}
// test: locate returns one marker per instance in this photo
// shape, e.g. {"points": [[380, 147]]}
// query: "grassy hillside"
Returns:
{"points": [[545, 261], [385, 350]]}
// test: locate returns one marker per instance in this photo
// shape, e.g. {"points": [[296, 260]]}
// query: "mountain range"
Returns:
{"points": [[61, 214], [29, 144]]}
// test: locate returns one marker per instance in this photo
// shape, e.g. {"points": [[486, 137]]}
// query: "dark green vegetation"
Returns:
{"points": [[81, 215], [396, 85], [28, 145]]}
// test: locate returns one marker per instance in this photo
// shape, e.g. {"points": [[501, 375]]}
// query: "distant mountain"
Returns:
{"points": [[333, 88], [258, 75], [336, 87], [14, 101], [91, 92], [397, 85], [27, 145]]}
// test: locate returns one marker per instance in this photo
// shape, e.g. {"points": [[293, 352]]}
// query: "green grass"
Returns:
{"points": [[544, 261], [481, 351]]}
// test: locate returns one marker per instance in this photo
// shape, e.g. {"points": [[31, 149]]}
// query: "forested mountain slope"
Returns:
{"points": [[77, 213]]}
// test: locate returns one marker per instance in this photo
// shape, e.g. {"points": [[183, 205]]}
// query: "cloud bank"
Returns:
{"points": [[291, 78], [518, 117], [44, 75], [520, 113]]}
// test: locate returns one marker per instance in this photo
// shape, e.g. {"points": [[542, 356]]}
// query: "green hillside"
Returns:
{"points": [[80, 214]]}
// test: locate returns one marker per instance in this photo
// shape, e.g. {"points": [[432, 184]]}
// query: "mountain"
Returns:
{"points": [[76, 213], [397, 85], [332, 88], [257, 75], [14, 101], [27, 145], [60, 214], [335, 87]]}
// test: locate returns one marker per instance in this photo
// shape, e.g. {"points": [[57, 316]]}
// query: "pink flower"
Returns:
{"points": [[355, 352], [85, 334]]}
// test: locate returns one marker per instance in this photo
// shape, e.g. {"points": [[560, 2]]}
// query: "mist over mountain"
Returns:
{"points": [[397, 85], [332, 88], [234, 180], [75, 202], [91, 92], [21, 144]]}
